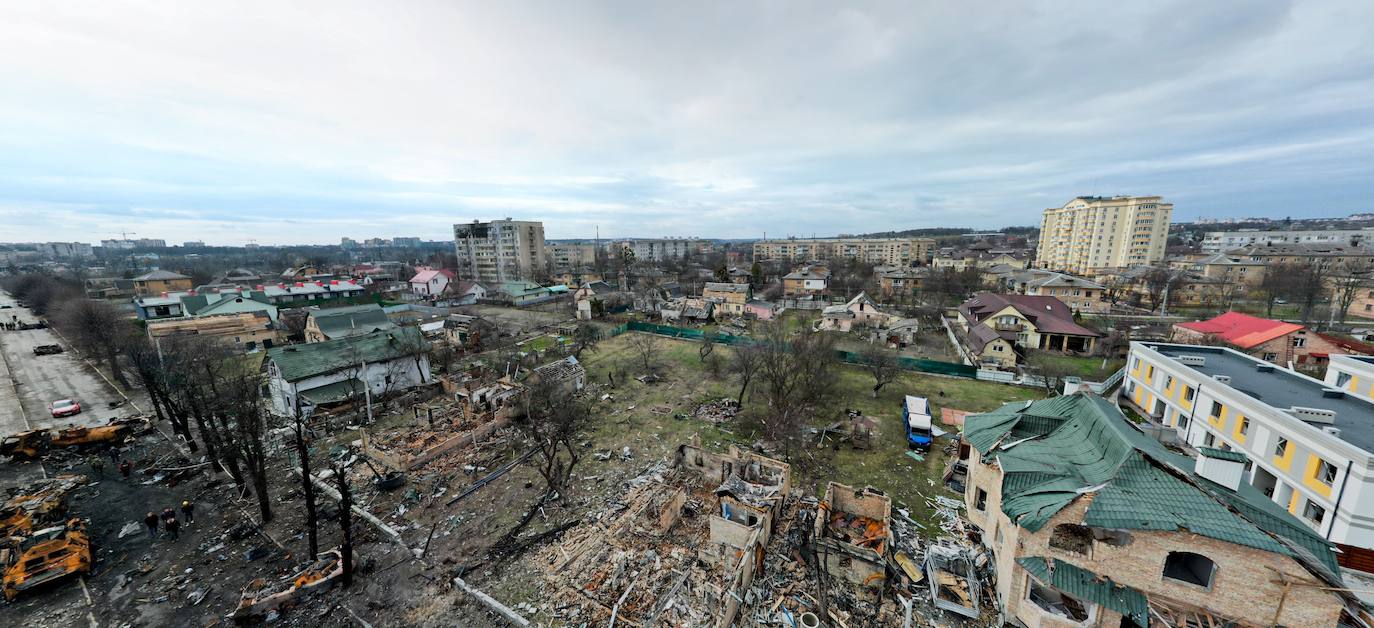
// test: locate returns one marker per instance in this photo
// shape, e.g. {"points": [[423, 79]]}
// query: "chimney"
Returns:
{"points": [[1226, 468]]}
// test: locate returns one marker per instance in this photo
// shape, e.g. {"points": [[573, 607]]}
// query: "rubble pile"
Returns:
{"points": [[717, 412]]}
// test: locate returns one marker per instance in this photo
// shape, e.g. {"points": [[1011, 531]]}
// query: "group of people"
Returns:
{"points": [[169, 521]]}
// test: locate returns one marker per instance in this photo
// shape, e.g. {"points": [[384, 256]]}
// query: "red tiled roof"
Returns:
{"points": [[1242, 330]]}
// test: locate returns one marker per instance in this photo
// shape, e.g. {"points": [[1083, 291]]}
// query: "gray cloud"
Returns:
{"points": [[726, 119]]}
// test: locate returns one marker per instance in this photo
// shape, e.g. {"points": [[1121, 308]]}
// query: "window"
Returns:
{"points": [[1191, 568], [1073, 538], [1326, 473], [1188, 393], [980, 499], [1056, 603], [1342, 379], [1209, 440], [1216, 408], [1269, 357], [1150, 374], [1168, 382], [1245, 426], [1281, 448], [1314, 513], [1299, 342]]}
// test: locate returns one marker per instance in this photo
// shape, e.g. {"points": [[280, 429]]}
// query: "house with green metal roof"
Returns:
{"points": [[342, 322], [1095, 523], [343, 370]]}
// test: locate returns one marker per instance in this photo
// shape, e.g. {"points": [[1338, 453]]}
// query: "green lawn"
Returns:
{"points": [[651, 430], [1088, 368]]}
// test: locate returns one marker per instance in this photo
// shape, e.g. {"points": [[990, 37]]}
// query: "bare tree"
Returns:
{"points": [[240, 404], [646, 346], [147, 363], [744, 361], [98, 329], [1158, 281], [585, 338], [1346, 286], [796, 372], [881, 364], [307, 487], [1278, 284], [1309, 284], [555, 420], [708, 344], [345, 520]]}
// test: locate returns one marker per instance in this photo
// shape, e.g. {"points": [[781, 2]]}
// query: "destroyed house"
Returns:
{"points": [[567, 373], [751, 486], [852, 534], [1094, 523], [654, 560]]}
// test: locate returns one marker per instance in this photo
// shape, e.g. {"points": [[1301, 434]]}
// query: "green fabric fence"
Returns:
{"points": [[911, 364]]}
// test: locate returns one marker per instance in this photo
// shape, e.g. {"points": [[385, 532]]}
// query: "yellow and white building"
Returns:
{"points": [[1352, 373], [1093, 232], [1309, 445]]}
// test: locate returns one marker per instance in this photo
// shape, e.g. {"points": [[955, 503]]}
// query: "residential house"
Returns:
{"points": [[964, 259], [346, 369], [762, 310], [1353, 374], [739, 275], [306, 292], [730, 298], [196, 303], [1081, 295], [1269, 340], [523, 293], [903, 332], [858, 560], [1225, 266], [306, 272], [575, 278], [244, 330], [1309, 447], [901, 282], [598, 297], [160, 281], [860, 311], [808, 281], [345, 322], [995, 323], [238, 277], [430, 282], [463, 293], [1094, 523], [1362, 305]]}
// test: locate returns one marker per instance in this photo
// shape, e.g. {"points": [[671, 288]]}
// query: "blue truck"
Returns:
{"points": [[916, 418]]}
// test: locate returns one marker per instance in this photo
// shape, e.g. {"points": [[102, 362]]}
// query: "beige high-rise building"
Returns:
{"points": [[892, 251], [1094, 232], [572, 256], [500, 250]]}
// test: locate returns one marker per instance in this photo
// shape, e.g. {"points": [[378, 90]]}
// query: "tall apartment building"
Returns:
{"points": [[136, 243], [1308, 445], [405, 241], [1223, 241], [572, 256], [889, 251], [63, 250], [660, 249], [1093, 232], [500, 250]]}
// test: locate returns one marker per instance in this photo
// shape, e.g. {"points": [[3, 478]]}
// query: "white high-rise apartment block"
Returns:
{"points": [[1094, 232], [500, 250]]}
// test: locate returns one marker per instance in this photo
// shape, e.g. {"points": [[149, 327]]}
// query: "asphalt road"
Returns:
{"points": [[42, 379]]}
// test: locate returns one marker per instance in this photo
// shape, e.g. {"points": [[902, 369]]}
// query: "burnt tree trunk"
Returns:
{"points": [[308, 490], [345, 523]]}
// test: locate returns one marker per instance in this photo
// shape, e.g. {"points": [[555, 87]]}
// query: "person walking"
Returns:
{"points": [[114, 454], [188, 510], [125, 468], [97, 464], [151, 522]]}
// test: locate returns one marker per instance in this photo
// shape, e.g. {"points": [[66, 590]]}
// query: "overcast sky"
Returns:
{"points": [[303, 122]]}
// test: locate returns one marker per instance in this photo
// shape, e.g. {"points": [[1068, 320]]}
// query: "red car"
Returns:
{"points": [[64, 407]]}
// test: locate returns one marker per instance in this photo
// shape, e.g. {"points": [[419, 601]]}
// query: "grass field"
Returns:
{"points": [[1088, 368], [641, 416]]}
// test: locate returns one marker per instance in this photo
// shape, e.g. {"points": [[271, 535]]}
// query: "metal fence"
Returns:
{"points": [[911, 364]]}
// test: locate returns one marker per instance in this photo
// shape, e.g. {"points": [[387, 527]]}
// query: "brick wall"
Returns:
{"points": [[1245, 586]]}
